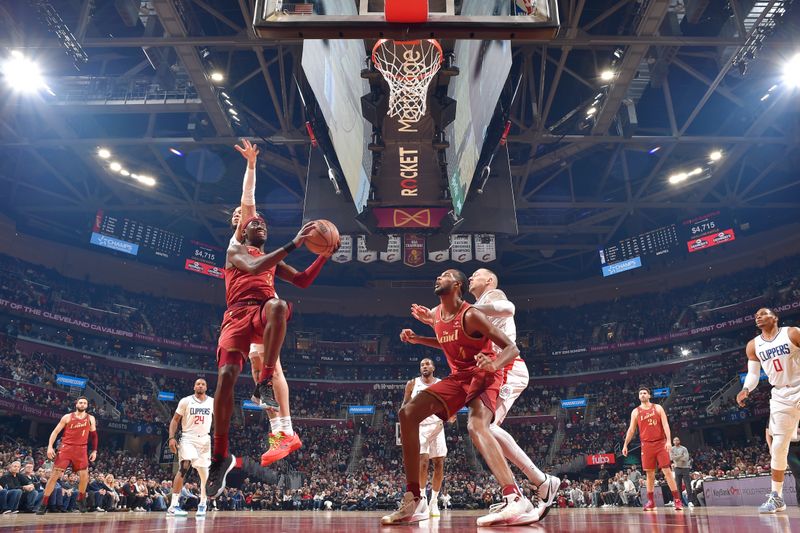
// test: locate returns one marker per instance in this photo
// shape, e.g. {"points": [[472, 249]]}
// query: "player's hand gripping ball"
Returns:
{"points": [[323, 239]]}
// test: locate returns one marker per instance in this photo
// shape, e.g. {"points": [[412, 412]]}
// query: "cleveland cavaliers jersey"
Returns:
{"points": [[76, 430], [420, 386], [780, 358], [195, 416], [505, 324]]}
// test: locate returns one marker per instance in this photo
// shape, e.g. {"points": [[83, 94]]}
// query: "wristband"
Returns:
{"points": [[289, 247]]}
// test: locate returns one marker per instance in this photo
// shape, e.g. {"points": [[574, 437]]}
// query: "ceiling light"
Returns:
{"points": [[116, 167], [217, 76], [696, 172], [716, 155], [685, 352], [224, 94], [791, 71], [146, 180], [232, 111], [175, 151], [765, 97], [607, 75], [103, 153], [23, 75], [591, 111], [654, 150], [124, 172], [677, 178]]}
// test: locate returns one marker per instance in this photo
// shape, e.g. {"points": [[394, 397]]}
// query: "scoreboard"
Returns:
{"points": [[707, 231], [656, 242], [151, 242]]}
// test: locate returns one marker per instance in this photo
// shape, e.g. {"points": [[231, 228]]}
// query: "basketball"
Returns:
{"points": [[323, 238]]}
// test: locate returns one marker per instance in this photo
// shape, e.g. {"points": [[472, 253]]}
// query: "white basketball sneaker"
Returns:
{"points": [[515, 510], [411, 510], [546, 495], [176, 511]]}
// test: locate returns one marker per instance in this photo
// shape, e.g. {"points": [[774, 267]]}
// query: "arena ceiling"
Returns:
{"points": [[696, 73]]}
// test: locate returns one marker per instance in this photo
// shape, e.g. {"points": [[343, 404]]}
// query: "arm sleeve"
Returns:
{"points": [[305, 278], [498, 308], [753, 375], [249, 187], [93, 440]]}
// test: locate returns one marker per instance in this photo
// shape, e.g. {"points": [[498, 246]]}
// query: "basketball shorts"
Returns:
{"points": [[515, 380], [431, 440], [784, 410], [460, 388], [196, 450], [242, 325], [76, 456], [654, 455]]}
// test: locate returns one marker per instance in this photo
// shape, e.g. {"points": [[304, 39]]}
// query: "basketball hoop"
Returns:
{"points": [[408, 67]]}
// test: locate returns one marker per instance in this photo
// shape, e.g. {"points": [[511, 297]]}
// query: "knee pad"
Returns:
{"points": [[779, 452]]}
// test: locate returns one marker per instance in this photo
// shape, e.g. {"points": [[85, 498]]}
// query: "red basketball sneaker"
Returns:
{"points": [[280, 445], [678, 505], [649, 506]]}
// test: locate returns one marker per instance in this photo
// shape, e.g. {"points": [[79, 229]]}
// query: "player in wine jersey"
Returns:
{"points": [[465, 336], [432, 444], [493, 303], [777, 352], [282, 437], [194, 414], [253, 308], [80, 429], [655, 435]]}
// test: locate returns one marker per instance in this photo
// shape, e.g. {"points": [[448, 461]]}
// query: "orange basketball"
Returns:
{"points": [[323, 237]]}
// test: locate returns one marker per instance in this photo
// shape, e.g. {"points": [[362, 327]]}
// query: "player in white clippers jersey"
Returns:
{"points": [[777, 352], [281, 431], [493, 303], [432, 445], [194, 414]]}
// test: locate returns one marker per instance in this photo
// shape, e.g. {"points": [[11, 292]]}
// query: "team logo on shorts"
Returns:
{"points": [[505, 392]]}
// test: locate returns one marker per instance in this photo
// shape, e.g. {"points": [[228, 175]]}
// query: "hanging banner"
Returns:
{"points": [[364, 255], [409, 217], [413, 250], [392, 253], [485, 247], [439, 256], [345, 252], [461, 248]]}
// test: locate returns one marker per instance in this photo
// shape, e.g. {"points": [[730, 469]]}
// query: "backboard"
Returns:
{"points": [[447, 19]]}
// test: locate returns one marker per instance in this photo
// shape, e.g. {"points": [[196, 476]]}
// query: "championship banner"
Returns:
{"points": [[392, 253], [461, 248], [362, 254], [485, 251], [601, 459], [413, 250], [439, 256], [409, 217], [345, 252]]}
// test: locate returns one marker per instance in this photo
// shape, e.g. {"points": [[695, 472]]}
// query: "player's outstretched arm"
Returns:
{"points": [[422, 313], [248, 203], [238, 257], [629, 434], [496, 305], [753, 374], [51, 453], [476, 322], [409, 337], [305, 278]]}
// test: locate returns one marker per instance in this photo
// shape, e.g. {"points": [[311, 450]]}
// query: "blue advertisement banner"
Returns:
{"points": [[743, 375], [573, 403], [661, 393], [114, 244], [166, 396], [71, 381], [622, 266], [361, 410]]}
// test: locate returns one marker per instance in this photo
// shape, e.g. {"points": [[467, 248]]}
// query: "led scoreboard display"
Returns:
{"points": [[656, 242], [707, 231], [147, 241]]}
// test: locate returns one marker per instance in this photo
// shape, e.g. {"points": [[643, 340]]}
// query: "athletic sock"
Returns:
{"points": [[203, 500], [434, 497], [651, 496], [275, 425], [413, 488], [286, 425], [220, 446], [777, 486], [81, 496], [511, 489], [676, 495], [175, 498]]}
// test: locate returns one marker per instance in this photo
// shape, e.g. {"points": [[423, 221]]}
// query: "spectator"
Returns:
{"points": [[683, 467]]}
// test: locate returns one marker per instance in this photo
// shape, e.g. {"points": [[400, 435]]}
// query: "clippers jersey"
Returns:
{"points": [[76, 432], [650, 427], [195, 416], [459, 348], [420, 386], [780, 358], [505, 324], [240, 285]]}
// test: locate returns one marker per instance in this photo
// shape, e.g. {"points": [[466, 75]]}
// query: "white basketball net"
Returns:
{"points": [[408, 67]]}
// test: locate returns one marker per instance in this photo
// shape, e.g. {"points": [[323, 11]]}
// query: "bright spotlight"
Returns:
{"points": [[232, 111], [716, 155], [677, 178], [147, 180], [791, 71], [23, 75], [124, 172], [115, 166], [591, 111], [696, 172], [217, 76], [685, 352], [607, 75], [103, 153], [175, 151]]}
